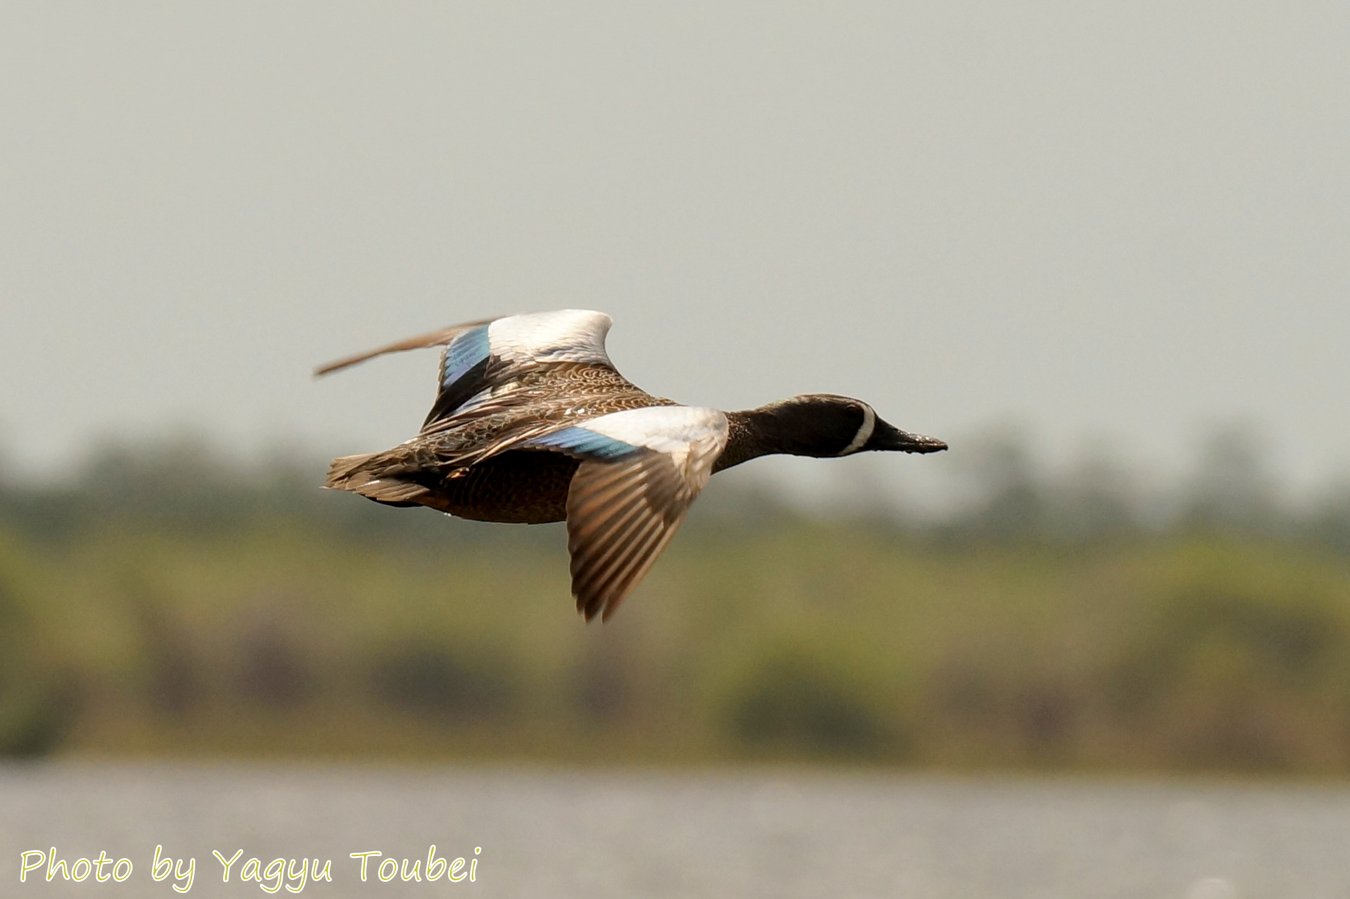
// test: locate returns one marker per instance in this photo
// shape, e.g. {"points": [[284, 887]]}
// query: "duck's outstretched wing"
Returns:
{"points": [[487, 360], [432, 338], [640, 470]]}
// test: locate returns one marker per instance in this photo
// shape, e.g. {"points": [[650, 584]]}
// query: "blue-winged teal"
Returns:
{"points": [[532, 423]]}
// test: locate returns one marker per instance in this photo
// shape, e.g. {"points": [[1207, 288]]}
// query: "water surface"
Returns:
{"points": [[637, 833]]}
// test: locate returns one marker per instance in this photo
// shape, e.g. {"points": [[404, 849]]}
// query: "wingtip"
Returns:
{"points": [[346, 362], [586, 610], [601, 607], [439, 337]]}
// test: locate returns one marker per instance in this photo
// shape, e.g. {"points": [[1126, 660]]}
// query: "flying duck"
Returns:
{"points": [[532, 423]]}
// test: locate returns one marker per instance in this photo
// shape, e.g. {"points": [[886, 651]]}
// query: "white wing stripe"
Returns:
{"points": [[568, 335], [666, 429]]}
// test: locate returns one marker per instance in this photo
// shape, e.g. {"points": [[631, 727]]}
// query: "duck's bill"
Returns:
{"points": [[918, 443], [894, 439]]}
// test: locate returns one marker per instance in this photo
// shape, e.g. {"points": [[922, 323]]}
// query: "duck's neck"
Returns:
{"points": [[752, 433]]}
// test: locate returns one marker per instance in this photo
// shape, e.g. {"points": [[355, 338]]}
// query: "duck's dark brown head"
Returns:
{"points": [[820, 425]]}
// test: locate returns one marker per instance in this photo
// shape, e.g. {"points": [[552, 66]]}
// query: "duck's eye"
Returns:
{"points": [[865, 428]]}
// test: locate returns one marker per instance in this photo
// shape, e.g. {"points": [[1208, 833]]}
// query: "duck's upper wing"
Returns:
{"points": [[487, 359], [432, 338], [640, 470]]}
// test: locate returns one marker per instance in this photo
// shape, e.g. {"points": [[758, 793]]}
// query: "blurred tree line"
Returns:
{"points": [[165, 600]]}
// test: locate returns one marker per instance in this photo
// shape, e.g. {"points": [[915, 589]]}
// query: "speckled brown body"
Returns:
{"points": [[456, 465], [517, 487]]}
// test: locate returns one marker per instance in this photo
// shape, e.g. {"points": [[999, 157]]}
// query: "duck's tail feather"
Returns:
{"points": [[372, 476]]}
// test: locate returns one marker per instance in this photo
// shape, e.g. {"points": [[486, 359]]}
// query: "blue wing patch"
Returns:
{"points": [[464, 352], [582, 442], [462, 369]]}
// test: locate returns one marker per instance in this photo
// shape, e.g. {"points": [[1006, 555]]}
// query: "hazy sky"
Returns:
{"points": [[1121, 223]]}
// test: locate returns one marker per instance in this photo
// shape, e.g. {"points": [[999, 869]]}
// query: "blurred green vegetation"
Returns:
{"points": [[161, 601]]}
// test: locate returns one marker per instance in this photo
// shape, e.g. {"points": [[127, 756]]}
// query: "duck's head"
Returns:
{"points": [[824, 424]]}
